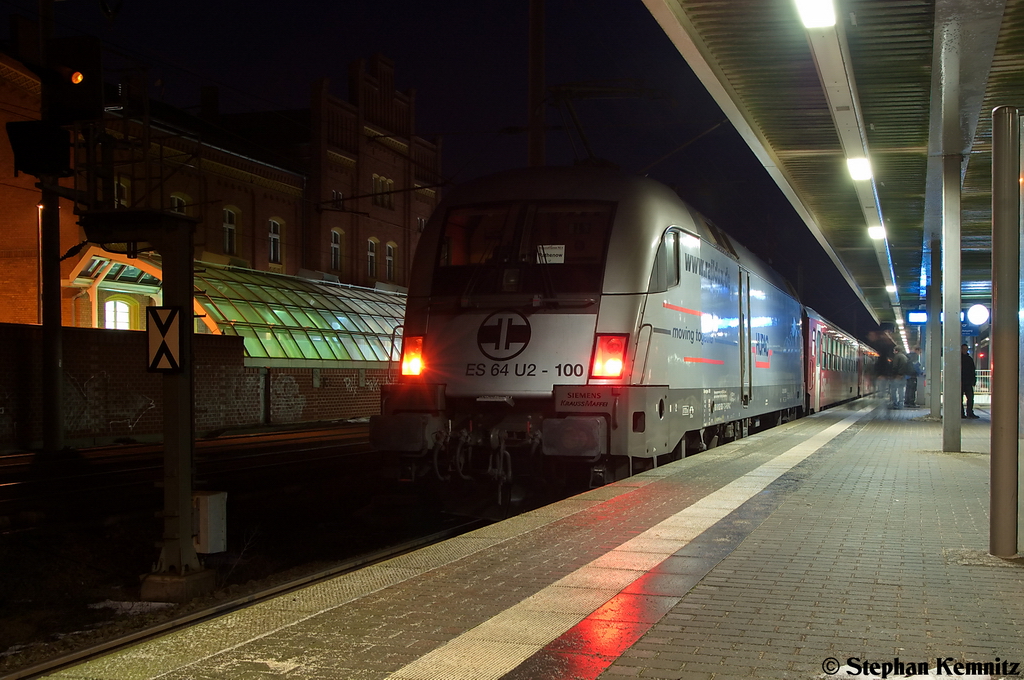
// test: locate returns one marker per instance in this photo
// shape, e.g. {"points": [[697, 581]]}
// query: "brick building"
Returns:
{"points": [[337, 192], [306, 222]]}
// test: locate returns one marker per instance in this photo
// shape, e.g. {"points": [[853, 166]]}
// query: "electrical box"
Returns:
{"points": [[210, 521]]}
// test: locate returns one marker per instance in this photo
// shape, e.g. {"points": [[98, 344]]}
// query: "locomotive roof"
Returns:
{"points": [[648, 206]]}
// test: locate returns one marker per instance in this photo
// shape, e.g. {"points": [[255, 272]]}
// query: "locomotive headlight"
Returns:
{"points": [[412, 355], [609, 356]]}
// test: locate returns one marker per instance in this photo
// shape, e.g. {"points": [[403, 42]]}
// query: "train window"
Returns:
{"points": [[536, 248], [565, 233], [665, 274]]}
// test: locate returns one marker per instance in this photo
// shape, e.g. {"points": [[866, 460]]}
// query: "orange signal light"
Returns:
{"points": [[412, 355], [609, 356], [77, 77]]}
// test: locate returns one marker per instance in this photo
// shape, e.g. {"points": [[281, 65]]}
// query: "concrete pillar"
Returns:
{"points": [[1005, 338], [951, 302], [934, 345]]}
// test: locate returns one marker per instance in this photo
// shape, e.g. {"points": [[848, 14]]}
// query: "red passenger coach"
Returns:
{"points": [[835, 363]]}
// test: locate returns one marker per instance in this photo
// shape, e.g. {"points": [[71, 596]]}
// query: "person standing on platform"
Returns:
{"points": [[915, 370], [898, 386], [968, 378]]}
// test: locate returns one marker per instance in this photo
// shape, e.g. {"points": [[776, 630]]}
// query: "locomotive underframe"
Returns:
{"points": [[498, 437]]}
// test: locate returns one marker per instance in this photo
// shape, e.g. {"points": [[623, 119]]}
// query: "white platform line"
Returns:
{"points": [[498, 645]]}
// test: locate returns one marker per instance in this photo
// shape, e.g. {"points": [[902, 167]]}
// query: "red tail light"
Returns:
{"points": [[609, 356], [412, 355]]}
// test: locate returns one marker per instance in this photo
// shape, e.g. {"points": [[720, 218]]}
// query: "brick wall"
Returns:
{"points": [[109, 396]]}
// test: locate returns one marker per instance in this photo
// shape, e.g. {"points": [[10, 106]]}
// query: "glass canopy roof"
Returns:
{"points": [[287, 317]]}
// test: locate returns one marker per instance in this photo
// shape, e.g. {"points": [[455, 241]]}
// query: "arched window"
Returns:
{"points": [[275, 242], [120, 313], [335, 250], [383, 189], [230, 221], [389, 261], [371, 258], [180, 203]]}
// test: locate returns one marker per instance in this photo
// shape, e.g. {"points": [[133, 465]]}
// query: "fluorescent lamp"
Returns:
{"points": [[877, 233], [860, 168], [890, 289], [816, 13]]}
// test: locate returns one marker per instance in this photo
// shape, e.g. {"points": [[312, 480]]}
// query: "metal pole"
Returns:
{"points": [[951, 302], [535, 96], [49, 255], [1004, 348], [935, 331]]}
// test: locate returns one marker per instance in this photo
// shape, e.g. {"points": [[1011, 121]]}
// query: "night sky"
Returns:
{"points": [[467, 62]]}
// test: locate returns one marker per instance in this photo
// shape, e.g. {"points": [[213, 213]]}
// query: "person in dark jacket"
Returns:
{"points": [[968, 378], [915, 370], [898, 384]]}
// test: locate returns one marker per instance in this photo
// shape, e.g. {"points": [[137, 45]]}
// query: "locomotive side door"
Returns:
{"points": [[746, 347]]}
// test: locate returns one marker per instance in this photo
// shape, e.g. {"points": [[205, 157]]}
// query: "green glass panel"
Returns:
{"points": [[253, 346], [323, 348], [302, 317], [375, 325], [366, 347], [318, 319], [283, 316], [269, 340], [351, 347], [291, 348], [335, 342], [304, 344], [250, 314]]}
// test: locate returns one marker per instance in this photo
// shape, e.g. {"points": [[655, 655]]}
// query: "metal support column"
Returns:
{"points": [[178, 575], [1005, 338], [934, 344], [951, 395], [49, 255], [53, 330]]}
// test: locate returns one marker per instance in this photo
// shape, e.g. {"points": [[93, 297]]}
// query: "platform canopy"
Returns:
{"points": [[887, 86], [279, 317], [288, 317]]}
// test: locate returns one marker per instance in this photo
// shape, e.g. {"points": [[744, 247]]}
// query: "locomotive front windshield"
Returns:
{"points": [[527, 248]]}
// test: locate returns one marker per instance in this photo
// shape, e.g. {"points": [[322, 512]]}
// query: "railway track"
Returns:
{"points": [[177, 622], [31, 485]]}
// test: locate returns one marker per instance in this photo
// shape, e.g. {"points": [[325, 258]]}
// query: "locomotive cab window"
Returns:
{"points": [[527, 248], [665, 274]]}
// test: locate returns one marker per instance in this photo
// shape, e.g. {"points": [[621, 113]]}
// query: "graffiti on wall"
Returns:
{"points": [[98, 403]]}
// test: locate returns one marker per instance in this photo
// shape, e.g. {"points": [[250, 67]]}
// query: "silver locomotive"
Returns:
{"points": [[580, 314]]}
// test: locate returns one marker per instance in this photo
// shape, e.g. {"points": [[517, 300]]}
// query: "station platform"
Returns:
{"points": [[817, 548]]}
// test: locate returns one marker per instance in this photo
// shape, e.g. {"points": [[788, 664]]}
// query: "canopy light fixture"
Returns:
{"points": [[890, 289], [877, 233], [860, 168], [977, 314], [816, 13]]}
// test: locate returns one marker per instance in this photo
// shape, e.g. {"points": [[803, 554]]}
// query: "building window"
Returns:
{"points": [[383, 189], [178, 205], [275, 242], [230, 220], [337, 200], [117, 314], [371, 258], [121, 193], [335, 251], [421, 224], [389, 261]]}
